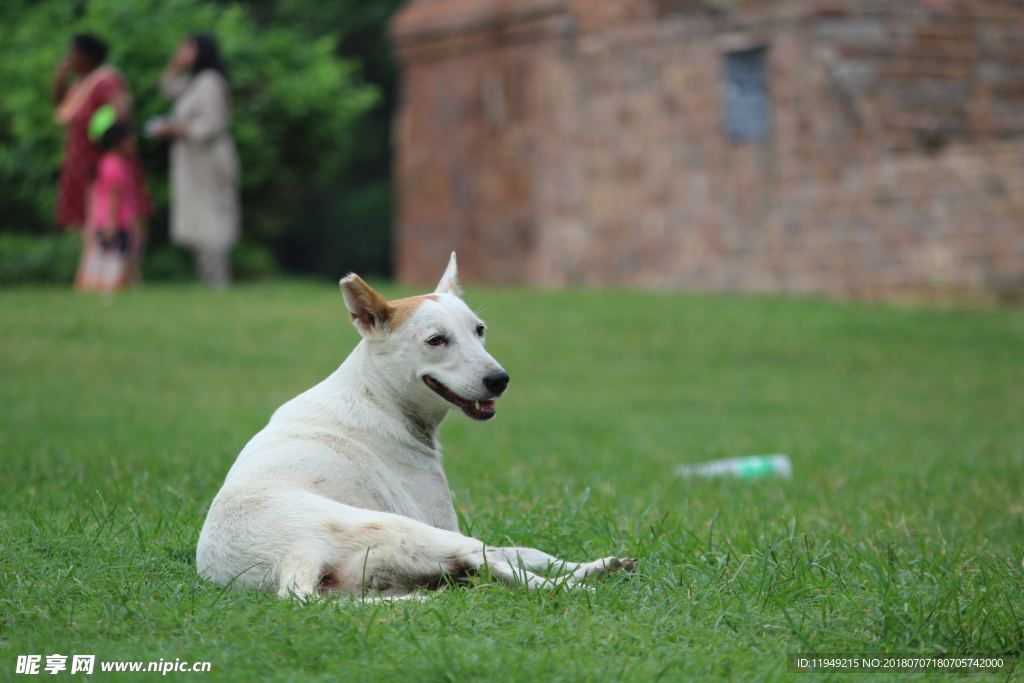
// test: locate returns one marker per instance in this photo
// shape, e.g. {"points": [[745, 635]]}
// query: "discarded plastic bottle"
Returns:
{"points": [[747, 467]]}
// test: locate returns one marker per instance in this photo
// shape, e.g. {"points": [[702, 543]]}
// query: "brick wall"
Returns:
{"points": [[580, 142]]}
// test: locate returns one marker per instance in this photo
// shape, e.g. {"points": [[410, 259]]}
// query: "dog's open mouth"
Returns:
{"points": [[478, 410]]}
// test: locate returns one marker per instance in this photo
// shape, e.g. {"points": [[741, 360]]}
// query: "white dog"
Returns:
{"points": [[344, 490]]}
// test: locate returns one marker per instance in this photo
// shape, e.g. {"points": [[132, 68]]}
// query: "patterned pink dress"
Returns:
{"points": [[103, 86]]}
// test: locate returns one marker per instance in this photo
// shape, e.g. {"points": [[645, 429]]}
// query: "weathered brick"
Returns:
{"points": [[581, 142]]}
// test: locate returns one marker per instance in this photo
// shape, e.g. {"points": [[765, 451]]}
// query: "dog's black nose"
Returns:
{"points": [[496, 382]]}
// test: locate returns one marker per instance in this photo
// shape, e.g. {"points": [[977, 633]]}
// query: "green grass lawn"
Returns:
{"points": [[902, 530]]}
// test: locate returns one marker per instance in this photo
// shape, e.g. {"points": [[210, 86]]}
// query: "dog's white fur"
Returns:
{"points": [[344, 489]]}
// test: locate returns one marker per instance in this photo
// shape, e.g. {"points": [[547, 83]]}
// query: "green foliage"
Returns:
{"points": [[296, 102], [252, 262], [35, 259], [345, 222], [53, 259], [901, 531], [166, 263]]}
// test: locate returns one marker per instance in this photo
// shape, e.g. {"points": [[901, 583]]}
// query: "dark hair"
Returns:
{"points": [[90, 46], [207, 55], [114, 135]]}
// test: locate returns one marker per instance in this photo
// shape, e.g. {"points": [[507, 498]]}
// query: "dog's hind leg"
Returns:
{"points": [[394, 555], [368, 553], [539, 561], [510, 571], [300, 575]]}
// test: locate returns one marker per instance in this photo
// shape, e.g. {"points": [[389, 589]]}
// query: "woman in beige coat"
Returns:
{"points": [[204, 165]]}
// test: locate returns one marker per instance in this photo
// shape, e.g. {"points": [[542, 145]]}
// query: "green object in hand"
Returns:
{"points": [[102, 119]]}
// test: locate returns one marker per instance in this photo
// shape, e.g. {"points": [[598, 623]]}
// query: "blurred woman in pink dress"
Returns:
{"points": [[82, 84]]}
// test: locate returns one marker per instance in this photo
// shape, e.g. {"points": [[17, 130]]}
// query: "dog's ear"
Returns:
{"points": [[449, 283], [369, 310]]}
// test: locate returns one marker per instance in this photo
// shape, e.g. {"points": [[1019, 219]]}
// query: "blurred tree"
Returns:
{"points": [[345, 220], [298, 106]]}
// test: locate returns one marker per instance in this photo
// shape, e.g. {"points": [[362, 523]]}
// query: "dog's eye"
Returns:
{"points": [[480, 330], [437, 340]]}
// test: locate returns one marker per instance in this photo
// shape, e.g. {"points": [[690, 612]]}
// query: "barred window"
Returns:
{"points": [[745, 91]]}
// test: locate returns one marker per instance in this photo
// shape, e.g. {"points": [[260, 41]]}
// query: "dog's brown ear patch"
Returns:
{"points": [[369, 310], [402, 309]]}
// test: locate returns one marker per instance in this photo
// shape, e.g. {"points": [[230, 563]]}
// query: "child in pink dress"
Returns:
{"points": [[114, 212]]}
